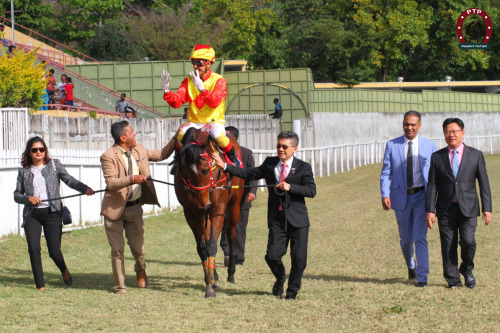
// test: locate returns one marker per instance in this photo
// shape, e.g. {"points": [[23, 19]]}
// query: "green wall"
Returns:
{"points": [[252, 92]]}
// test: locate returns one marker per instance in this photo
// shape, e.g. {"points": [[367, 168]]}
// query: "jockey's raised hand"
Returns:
{"points": [[165, 81], [195, 76]]}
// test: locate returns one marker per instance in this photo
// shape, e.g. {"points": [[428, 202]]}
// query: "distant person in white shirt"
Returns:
{"points": [[122, 104]]}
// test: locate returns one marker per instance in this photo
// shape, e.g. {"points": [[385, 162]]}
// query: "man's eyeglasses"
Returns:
{"points": [[285, 147], [455, 132], [198, 62], [40, 149]]}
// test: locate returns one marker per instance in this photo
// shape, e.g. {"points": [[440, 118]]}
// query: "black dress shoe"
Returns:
{"points": [[68, 281], [455, 286], [470, 282], [291, 297], [411, 274], [421, 284], [278, 287]]}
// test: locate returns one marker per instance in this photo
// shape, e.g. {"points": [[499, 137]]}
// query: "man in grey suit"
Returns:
{"points": [[452, 180]]}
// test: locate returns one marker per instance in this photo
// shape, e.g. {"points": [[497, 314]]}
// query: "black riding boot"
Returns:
{"points": [[174, 162], [232, 156]]}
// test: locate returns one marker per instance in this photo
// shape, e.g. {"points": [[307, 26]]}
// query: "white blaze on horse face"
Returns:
{"points": [[193, 167]]}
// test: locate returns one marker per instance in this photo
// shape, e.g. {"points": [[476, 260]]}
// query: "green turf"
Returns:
{"points": [[356, 279]]}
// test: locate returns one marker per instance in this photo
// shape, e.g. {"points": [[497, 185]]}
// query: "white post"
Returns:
{"points": [[335, 160], [12, 19], [328, 162], [296, 128]]}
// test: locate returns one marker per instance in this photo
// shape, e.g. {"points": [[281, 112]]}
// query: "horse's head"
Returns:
{"points": [[195, 166]]}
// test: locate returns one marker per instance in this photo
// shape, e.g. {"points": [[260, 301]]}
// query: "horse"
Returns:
{"points": [[200, 189]]}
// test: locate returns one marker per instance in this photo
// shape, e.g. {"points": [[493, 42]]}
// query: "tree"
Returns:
{"points": [[109, 44], [170, 34], [243, 20], [22, 84], [399, 28], [33, 14]]}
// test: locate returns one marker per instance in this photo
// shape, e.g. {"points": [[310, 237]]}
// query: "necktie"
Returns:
{"points": [[454, 163], [409, 166], [130, 172], [282, 179]]}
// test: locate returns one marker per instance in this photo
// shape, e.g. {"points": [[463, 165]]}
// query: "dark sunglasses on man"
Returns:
{"points": [[285, 147], [41, 150], [198, 62]]}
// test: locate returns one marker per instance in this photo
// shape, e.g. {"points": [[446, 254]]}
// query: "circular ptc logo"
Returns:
{"points": [[460, 34]]}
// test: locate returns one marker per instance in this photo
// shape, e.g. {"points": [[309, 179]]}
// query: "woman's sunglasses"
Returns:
{"points": [[40, 149]]}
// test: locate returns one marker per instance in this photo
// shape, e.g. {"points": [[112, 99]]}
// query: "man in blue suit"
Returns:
{"points": [[403, 186]]}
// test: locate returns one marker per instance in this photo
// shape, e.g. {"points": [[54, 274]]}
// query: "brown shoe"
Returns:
{"points": [[142, 280]]}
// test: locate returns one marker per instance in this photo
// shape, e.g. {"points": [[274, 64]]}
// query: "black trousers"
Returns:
{"points": [[452, 224], [276, 248], [52, 228], [241, 237]]}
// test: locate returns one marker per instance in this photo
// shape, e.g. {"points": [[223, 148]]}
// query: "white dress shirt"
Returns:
{"points": [[418, 179], [279, 167]]}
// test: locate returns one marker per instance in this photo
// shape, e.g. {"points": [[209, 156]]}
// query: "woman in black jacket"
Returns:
{"points": [[37, 181]]}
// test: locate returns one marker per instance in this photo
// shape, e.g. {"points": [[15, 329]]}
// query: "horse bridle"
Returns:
{"points": [[212, 185]]}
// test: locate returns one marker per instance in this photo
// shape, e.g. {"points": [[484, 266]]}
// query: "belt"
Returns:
{"points": [[131, 203], [415, 190]]}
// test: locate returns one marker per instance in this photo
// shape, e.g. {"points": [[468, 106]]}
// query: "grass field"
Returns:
{"points": [[356, 279]]}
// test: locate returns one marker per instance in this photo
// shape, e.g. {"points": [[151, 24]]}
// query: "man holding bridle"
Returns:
{"points": [[206, 93]]}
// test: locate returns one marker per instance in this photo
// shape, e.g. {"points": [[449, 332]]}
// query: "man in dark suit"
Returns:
{"points": [[452, 179], [287, 216], [249, 194]]}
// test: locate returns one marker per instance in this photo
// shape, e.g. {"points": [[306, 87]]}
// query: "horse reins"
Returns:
{"points": [[212, 185]]}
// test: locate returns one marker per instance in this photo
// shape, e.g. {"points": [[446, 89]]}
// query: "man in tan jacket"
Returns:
{"points": [[125, 168]]}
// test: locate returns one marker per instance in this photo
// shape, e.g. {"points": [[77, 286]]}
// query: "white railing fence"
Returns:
{"points": [[85, 166], [340, 158], [14, 128]]}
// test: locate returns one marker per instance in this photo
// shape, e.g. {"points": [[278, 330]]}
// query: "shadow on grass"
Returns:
{"points": [[342, 278], [170, 263], [104, 282]]}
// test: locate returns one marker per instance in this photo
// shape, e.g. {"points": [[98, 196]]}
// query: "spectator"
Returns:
{"points": [[249, 194], [186, 113], [68, 89], [122, 104], [60, 89], [129, 113], [134, 114], [2, 35], [12, 49], [39, 179], [51, 84], [45, 98], [278, 110]]}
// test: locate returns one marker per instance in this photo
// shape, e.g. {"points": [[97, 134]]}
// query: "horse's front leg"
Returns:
{"points": [[216, 223]]}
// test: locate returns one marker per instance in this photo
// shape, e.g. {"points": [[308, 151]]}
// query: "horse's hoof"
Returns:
{"points": [[210, 295], [215, 285], [230, 279]]}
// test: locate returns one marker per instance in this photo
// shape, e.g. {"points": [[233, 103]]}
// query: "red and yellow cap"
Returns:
{"points": [[202, 51]]}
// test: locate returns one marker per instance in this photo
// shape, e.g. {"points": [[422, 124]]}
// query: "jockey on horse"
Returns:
{"points": [[206, 93]]}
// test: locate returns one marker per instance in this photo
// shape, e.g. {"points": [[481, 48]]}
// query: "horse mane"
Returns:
{"points": [[191, 152]]}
